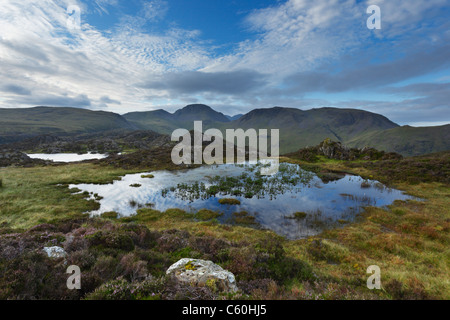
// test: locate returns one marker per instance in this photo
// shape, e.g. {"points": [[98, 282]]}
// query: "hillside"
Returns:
{"points": [[18, 124], [407, 140], [158, 120], [299, 129]]}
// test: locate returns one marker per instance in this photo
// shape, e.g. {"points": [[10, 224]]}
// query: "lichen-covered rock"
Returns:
{"points": [[203, 273], [55, 252]]}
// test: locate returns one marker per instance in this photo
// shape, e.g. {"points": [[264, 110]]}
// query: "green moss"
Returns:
{"points": [[212, 284], [190, 266], [148, 176]]}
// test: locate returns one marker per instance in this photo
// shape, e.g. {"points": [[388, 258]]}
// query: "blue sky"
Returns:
{"points": [[233, 55]]}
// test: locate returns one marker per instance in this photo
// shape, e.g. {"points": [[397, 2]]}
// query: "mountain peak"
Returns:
{"points": [[196, 108], [202, 112]]}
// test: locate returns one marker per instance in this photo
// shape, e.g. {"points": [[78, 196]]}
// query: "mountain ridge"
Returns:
{"points": [[298, 128], [22, 123]]}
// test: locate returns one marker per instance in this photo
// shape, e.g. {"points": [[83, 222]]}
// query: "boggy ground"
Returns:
{"points": [[126, 258]]}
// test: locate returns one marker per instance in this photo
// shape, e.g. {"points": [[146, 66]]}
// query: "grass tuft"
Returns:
{"points": [[229, 201]]}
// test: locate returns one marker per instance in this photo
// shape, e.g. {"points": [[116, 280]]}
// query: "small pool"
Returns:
{"points": [[271, 200], [67, 157]]}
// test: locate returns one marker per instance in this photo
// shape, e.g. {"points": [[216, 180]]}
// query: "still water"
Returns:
{"points": [[272, 200], [67, 157]]}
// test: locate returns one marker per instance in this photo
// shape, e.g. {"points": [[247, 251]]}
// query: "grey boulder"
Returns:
{"points": [[198, 272]]}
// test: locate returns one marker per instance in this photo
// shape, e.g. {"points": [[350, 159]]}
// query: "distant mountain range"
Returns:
{"points": [[19, 124], [298, 128]]}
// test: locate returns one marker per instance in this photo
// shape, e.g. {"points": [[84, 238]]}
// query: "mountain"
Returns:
{"points": [[164, 122], [407, 140], [18, 124], [299, 129], [202, 112]]}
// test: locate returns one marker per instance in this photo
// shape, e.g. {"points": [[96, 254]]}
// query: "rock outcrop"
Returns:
{"points": [[203, 273], [55, 252], [8, 158], [336, 150]]}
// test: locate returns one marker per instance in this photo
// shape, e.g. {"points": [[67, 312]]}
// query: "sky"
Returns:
{"points": [[233, 55]]}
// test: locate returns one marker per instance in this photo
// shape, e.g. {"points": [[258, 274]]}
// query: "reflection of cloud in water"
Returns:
{"points": [[67, 157], [324, 204]]}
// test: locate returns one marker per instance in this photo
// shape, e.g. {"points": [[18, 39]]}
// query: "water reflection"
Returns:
{"points": [[324, 204]]}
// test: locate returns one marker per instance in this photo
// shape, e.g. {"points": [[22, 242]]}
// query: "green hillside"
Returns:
{"points": [[159, 121], [407, 140], [16, 124], [299, 129]]}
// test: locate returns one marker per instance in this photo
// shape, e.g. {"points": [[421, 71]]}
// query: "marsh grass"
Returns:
{"points": [[41, 194], [409, 240], [205, 215], [229, 201], [299, 215], [243, 218], [136, 185], [249, 184], [110, 215]]}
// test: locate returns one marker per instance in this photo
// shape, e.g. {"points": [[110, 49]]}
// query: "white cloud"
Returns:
{"points": [[296, 35], [38, 53], [102, 5], [155, 9], [41, 61]]}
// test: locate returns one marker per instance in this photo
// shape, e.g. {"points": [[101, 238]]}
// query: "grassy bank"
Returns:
{"points": [[409, 241], [30, 196]]}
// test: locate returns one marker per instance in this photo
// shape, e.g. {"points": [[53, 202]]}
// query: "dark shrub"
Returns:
{"points": [[111, 240], [172, 240], [82, 258], [132, 268], [121, 289], [175, 290]]}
